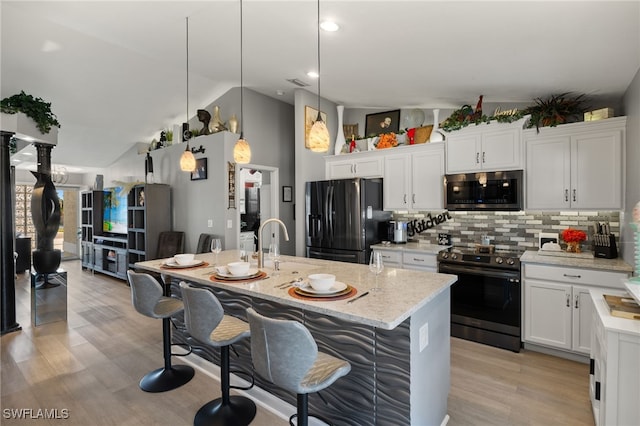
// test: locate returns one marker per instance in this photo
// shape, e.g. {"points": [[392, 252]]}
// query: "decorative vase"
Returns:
{"points": [[340, 140], [436, 135], [574, 247], [233, 124]]}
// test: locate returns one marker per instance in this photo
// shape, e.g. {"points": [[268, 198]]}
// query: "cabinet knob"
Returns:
{"points": [[574, 195], [566, 195], [477, 158], [483, 160]]}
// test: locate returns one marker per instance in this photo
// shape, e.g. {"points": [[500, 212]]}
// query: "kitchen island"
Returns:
{"points": [[396, 338]]}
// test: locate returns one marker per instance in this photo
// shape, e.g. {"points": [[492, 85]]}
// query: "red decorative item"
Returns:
{"points": [[573, 238], [352, 144], [411, 134]]}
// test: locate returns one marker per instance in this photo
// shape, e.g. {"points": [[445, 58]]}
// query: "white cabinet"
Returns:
{"points": [[369, 164], [496, 146], [614, 381], [399, 257], [557, 306], [576, 166], [413, 178], [391, 258], [420, 261]]}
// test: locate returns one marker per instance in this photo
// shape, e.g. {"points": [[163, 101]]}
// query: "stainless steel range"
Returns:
{"points": [[486, 299]]}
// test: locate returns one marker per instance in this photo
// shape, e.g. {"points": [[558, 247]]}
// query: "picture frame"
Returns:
{"points": [[382, 122], [200, 172], [310, 115], [287, 194]]}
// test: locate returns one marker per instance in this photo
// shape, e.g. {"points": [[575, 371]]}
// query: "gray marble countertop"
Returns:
{"points": [[411, 247], [402, 292], [616, 265]]}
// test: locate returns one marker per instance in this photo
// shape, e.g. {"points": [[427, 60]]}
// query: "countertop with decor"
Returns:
{"points": [[532, 256], [411, 247]]}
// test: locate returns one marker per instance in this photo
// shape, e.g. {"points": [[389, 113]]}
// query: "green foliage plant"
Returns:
{"points": [[35, 108], [557, 109]]}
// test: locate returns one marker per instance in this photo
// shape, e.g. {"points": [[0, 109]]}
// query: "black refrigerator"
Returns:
{"points": [[344, 218]]}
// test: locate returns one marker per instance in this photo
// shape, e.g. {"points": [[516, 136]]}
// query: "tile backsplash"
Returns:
{"points": [[510, 230]]}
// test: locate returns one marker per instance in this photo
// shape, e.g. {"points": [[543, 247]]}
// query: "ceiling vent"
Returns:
{"points": [[297, 82]]}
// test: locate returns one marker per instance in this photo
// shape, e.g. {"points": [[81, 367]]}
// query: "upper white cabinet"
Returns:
{"points": [[366, 164], [576, 166], [413, 178], [494, 146]]}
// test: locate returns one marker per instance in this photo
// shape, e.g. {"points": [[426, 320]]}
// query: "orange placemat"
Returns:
{"points": [[205, 264], [352, 292], [259, 276]]}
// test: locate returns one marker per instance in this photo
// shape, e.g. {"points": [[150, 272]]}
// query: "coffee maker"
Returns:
{"points": [[397, 231]]}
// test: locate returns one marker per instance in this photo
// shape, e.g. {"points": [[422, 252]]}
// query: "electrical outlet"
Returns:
{"points": [[210, 223], [424, 336]]}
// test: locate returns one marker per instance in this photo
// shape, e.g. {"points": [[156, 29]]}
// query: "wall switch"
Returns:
{"points": [[424, 336], [210, 223], [229, 224]]}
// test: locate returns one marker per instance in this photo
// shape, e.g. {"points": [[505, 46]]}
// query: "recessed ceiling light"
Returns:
{"points": [[280, 92], [313, 74], [329, 26]]}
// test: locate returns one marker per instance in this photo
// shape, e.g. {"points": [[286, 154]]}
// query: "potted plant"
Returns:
{"points": [[557, 109], [35, 108]]}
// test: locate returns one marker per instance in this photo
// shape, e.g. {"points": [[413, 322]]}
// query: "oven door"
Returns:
{"points": [[485, 298]]}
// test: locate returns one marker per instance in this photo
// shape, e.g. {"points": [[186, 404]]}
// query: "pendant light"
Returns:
{"points": [[319, 134], [187, 160], [241, 150]]}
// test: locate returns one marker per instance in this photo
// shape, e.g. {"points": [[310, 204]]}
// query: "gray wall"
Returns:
{"points": [[269, 131], [631, 102]]}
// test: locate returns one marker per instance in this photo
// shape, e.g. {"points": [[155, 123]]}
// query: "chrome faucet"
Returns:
{"points": [[260, 252]]}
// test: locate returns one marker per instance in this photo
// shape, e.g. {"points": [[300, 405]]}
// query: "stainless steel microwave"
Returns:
{"points": [[484, 191]]}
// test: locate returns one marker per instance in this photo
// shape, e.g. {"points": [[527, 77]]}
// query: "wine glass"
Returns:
{"points": [[376, 266], [274, 255], [216, 247]]}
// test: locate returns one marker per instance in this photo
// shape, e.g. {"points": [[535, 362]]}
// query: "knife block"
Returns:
{"points": [[608, 251]]}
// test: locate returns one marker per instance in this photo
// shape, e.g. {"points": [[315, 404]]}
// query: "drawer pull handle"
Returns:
{"points": [[418, 260], [568, 300], [576, 302], [572, 276]]}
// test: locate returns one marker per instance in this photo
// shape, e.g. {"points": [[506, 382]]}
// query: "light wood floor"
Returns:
{"points": [[91, 365]]}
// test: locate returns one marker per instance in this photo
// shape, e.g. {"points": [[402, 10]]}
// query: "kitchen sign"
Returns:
{"points": [[418, 226]]}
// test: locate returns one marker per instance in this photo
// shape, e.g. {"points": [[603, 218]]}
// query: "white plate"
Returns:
{"points": [[337, 287], [224, 273], [173, 264]]}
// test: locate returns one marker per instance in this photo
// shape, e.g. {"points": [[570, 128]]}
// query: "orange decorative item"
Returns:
{"points": [[387, 140], [573, 238]]}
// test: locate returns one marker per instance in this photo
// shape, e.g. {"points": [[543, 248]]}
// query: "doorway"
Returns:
{"points": [[257, 195]]}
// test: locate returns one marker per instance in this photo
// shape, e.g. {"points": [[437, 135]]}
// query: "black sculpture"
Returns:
{"points": [[45, 212], [204, 118]]}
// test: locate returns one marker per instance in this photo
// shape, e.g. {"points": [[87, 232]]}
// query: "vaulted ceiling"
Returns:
{"points": [[115, 73]]}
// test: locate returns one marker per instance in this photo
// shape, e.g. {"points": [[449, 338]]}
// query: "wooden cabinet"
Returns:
{"points": [[576, 166], [91, 209], [110, 256], [148, 214], [413, 178], [557, 306], [369, 164], [614, 380], [496, 146]]}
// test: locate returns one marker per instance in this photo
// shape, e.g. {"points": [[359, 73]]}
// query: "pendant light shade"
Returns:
{"points": [[241, 150], [187, 160], [319, 134]]}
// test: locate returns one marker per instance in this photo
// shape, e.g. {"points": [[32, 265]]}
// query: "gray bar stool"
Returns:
{"points": [[147, 297], [206, 322], [285, 353]]}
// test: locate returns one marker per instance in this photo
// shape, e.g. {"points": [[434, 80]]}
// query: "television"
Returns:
{"points": [[114, 216]]}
